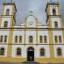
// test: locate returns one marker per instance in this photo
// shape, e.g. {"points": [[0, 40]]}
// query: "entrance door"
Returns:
{"points": [[30, 54]]}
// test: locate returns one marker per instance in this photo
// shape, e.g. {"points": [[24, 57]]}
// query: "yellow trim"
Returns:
{"points": [[58, 9], [2, 14], [37, 37], [61, 25], [24, 36], [51, 38], [18, 56], [3, 9], [49, 60], [0, 22], [25, 31], [36, 31], [40, 60], [9, 59], [10, 39], [63, 36], [48, 11]]}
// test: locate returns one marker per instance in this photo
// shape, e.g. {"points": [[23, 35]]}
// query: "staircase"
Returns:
{"points": [[31, 62]]}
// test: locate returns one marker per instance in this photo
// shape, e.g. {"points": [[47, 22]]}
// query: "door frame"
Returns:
{"points": [[29, 50]]}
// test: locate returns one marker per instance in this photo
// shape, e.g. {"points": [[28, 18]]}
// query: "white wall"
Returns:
{"points": [[55, 19], [8, 7], [4, 33], [8, 19], [54, 7], [18, 33], [36, 50], [30, 33], [5, 47], [43, 33], [55, 50], [57, 33]]}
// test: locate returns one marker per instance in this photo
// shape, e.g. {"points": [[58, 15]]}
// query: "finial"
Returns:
{"points": [[30, 12]]}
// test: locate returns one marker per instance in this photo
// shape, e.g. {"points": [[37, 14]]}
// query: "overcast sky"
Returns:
{"points": [[37, 6]]}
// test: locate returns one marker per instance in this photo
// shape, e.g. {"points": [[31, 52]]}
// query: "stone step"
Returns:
{"points": [[8, 63], [29, 62]]}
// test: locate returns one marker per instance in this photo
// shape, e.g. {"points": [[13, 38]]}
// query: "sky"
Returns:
{"points": [[37, 6]]}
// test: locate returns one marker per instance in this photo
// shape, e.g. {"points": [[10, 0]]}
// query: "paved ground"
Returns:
{"points": [[16, 63], [20, 63], [29, 63], [8, 63]]}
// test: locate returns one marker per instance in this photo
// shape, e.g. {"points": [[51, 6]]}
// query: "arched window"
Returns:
{"points": [[45, 39], [42, 52], [5, 38], [20, 39], [41, 39], [2, 51], [7, 12], [1, 38], [60, 39], [30, 49], [16, 39], [59, 52], [54, 12], [56, 39], [30, 39], [5, 24], [18, 51], [56, 24]]}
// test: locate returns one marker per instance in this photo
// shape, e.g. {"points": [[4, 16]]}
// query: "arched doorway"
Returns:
{"points": [[30, 54]]}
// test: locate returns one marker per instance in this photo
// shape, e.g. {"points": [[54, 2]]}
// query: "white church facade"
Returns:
{"points": [[31, 41]]}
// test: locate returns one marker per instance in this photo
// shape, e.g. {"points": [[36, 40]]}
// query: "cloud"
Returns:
{"points": [[37, 6]]}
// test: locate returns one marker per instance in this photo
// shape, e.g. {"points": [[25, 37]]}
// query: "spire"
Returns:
{"points": [[30, 12]]}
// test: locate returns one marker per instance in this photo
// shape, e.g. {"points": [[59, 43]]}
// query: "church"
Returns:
{"points": [[31, 41]]}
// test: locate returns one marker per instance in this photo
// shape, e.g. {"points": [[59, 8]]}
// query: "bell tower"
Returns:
{"points": [[53, 14], [8, 14]]}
